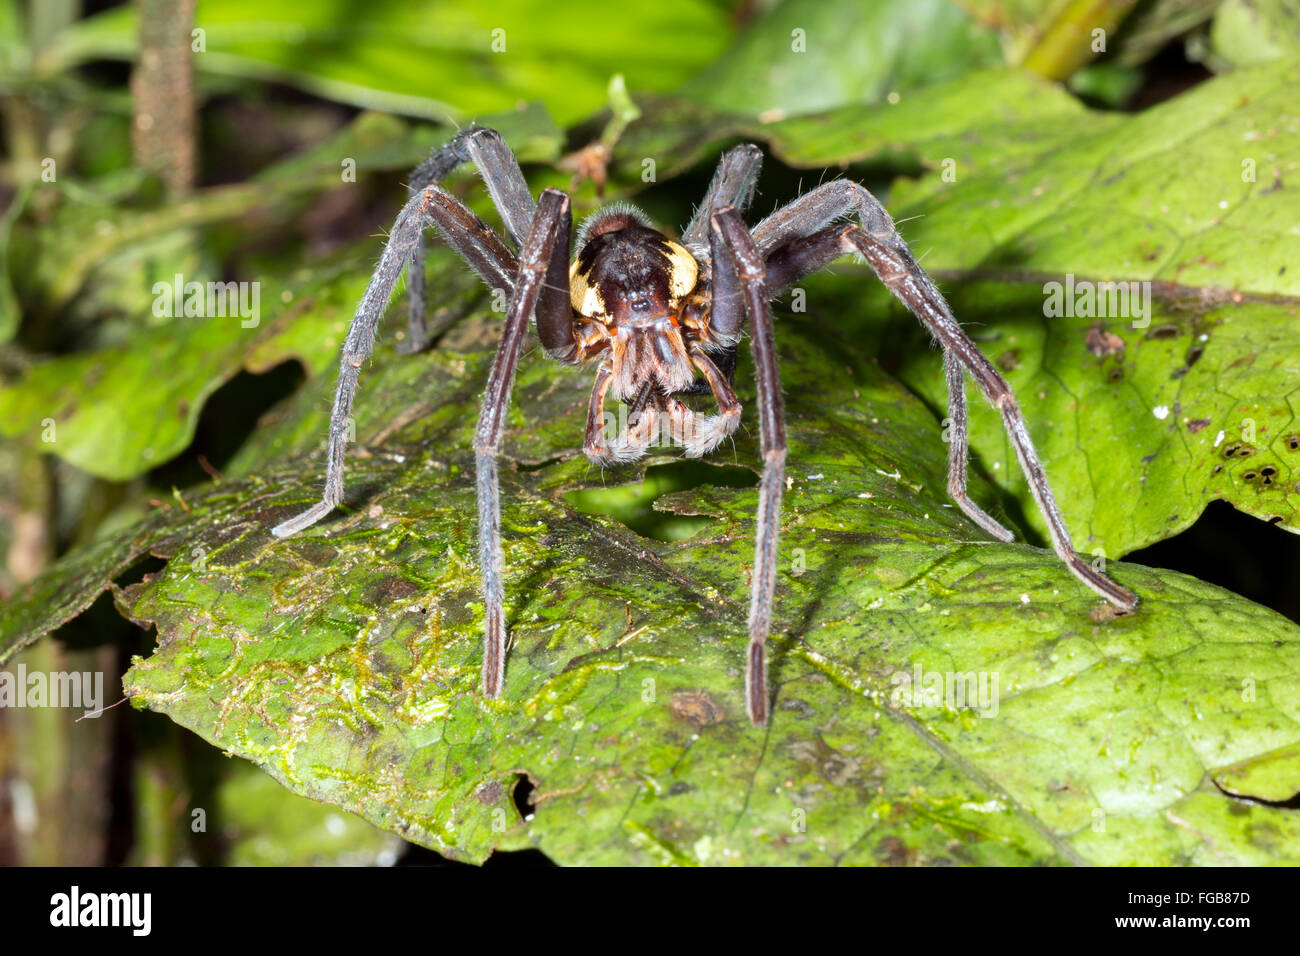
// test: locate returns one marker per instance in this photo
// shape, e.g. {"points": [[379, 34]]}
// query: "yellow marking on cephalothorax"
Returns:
{"points": [[584, 296], [683, 271]]}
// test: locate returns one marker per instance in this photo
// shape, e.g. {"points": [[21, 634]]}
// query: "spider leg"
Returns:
{"points": [[643, 421], [788, 263], [724, 359], [957, 449], [732, 185], [480, 247], [544, 261], [594, 446], [505, 184], [739, 283], [706, 434], [890, 258]]}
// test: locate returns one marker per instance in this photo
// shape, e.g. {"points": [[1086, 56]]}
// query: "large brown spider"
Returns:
{"points": [[657, 313]]}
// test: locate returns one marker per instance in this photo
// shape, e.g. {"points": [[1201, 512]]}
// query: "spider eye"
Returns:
{"points": [[584, 296], [683, 270]]}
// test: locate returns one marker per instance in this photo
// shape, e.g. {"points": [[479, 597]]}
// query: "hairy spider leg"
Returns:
{"points": [[739, 288], [798, 236], [729, 406], [958, 452], [543, 286], [733, 185], [506, 185], [486, 254], [789, 263]]}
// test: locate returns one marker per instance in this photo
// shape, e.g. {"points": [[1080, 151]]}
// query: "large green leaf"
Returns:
{"points": [[453, 60], [345, 661], [803, 56], [1178, 407], [1022, 187]]}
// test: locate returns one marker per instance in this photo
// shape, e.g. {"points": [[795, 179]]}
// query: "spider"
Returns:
{"points": [[663, 318]]}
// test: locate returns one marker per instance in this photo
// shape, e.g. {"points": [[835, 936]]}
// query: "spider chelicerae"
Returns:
{"points": [[663, 318]]}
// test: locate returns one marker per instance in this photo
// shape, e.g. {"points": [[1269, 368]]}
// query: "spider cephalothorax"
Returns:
{"points": [[655, 314], [642, 307]]}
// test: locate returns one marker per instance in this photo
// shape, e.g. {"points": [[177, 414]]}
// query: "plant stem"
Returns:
{"points": [[1072, 41], [162, 84]]}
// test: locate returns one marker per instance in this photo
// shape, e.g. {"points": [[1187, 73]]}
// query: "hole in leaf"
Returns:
{"points": [[137, 572], [633, 505], [523, 796], [1237, 449]]}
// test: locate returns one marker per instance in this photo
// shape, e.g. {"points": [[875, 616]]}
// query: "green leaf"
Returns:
{"points": [[453, 62], [345, 661], [114, 415], [803, 56], [1248, 33], [111, 413], [1168, 410]]}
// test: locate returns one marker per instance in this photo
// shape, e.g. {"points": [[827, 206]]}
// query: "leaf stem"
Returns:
{"points": [[1073, 39]]}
